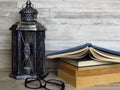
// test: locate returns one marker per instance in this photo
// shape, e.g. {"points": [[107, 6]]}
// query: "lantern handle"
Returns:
{"points": [[28, 1]]}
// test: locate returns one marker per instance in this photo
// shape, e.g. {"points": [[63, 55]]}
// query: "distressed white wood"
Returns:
{"points": [[5, 59], [9, 0], [82, 22], [60, 45], [94, 4], [83, 33]]}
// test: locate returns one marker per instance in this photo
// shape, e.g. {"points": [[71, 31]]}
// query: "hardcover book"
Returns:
{"points": [[88, 71], [87, 65], [87, 81], [87, 52]]}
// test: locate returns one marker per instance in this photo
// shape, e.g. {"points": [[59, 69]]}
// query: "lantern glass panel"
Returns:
{"points": [[27, 55]]}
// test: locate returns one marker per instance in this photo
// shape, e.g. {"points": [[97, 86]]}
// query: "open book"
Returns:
{"points": [[87, 50]]}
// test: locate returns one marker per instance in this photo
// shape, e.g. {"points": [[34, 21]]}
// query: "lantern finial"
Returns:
{"points": [[28, 3]]}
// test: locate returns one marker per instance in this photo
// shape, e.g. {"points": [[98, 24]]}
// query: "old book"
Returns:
{"points": [[87, 81], [85, 62], [87, 50], [87, 68], [87, 71]]}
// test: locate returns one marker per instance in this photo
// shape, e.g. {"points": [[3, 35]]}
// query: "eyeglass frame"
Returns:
{"points": [[27, 81]]}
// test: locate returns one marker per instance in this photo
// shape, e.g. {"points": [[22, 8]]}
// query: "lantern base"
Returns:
{"points": [[21, 76]]}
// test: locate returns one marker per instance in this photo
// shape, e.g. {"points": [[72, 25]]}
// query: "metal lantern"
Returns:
{"points": [[28, 51], [28, 45]]}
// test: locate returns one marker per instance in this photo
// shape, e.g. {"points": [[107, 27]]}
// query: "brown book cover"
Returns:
{"points": [[80, 82], [89, 71]]}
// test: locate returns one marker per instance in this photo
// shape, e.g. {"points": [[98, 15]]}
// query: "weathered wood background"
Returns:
{"points": [[69, 23]]}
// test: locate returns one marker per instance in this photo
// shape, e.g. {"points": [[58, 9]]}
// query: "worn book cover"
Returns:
{"points": [[88, 51]]}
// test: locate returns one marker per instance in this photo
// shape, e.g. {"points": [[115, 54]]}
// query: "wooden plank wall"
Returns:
{"points": [[69, 23]]}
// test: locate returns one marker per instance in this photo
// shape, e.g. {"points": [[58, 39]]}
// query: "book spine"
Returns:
{"points": [[80, 82], [67, 78], [76, 73], [66, 68]]}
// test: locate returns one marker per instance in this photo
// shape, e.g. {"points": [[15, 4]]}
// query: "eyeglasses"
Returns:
{"points": [[50, 84]]}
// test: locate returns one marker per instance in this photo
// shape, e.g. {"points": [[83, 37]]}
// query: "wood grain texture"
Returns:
{"points": [[87, 71], [80, 82], [5, 59]]}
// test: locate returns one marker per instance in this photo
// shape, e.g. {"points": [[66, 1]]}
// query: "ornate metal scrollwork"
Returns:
{"points": [[27, 50]]}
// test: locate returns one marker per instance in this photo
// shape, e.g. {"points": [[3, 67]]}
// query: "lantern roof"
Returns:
{"points": [[28, 20], [28, 9]]}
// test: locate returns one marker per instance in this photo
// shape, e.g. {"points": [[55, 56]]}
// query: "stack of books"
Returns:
{"points": [[88, 65], [89, 76]]}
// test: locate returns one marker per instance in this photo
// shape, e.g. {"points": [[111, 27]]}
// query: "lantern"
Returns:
{"points": [[28, 45], [28, 51]]}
